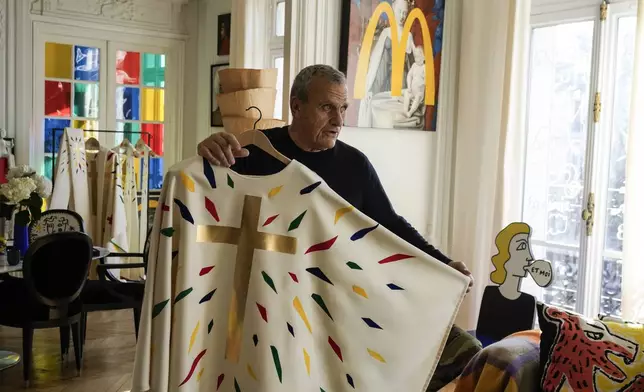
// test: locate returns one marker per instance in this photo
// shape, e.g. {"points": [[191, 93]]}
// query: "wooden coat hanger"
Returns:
{"points": [[260, 140], [92, 145]]}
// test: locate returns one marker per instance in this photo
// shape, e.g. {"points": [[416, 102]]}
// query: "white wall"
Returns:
{"points": [[200, 18], [403, 160]]}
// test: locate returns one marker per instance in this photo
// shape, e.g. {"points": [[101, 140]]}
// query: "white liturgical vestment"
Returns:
{"points": [[276, 283], [71, 190]]}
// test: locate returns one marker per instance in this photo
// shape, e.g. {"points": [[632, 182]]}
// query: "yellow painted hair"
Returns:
{"points": [[502, 243]]}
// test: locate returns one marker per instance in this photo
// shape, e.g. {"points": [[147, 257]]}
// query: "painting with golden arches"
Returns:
{"points": [[391, 53]]}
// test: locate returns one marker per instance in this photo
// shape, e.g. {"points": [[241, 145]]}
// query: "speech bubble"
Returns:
{"points": [[541, 272]]}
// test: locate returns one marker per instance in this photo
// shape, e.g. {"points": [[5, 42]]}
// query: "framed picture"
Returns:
{"points": [[223, 35], [392, 84], [215, 88]]}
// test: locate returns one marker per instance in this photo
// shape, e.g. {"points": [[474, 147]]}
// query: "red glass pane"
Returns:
{"points": [[156, 138], [58, 97], [128, 67]]}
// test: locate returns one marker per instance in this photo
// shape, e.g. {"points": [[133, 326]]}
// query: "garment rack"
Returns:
{"points": [[55, 131]]}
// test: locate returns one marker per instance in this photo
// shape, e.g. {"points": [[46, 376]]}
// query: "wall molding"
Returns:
{"points": [[162, 15]]}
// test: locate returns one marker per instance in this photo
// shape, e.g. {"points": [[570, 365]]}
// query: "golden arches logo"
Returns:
{"points": [[398, 48]]}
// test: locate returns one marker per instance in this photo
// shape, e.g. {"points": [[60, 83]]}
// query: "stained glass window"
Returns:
{"points": [[86, 64], [86, 100], [140, 104], [72, 74], [58, 61], [127, 103], [57, 98], [127, 67]]}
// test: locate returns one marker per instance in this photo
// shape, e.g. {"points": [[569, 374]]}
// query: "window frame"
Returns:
{"points": [[170, 45], [276, 48], [599, 135]]}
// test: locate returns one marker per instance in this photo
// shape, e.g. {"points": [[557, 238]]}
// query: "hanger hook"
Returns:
{"points": [[260, 115]]}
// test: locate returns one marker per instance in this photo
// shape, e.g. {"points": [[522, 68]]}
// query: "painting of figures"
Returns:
{"points": [[391, 54]]}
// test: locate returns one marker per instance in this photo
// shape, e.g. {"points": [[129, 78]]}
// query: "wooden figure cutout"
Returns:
{"points": [[504, 308]]}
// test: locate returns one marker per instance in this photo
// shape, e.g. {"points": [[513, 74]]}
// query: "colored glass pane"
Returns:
{"points": [[155, 181], [127, 103], [51, 124], [58, 61], [129, 131], [58, 96], [87, 125], [48, 167], [154, 70], [153, 104], [156, 137], [86, 63], [86, 100], [128, 65]]}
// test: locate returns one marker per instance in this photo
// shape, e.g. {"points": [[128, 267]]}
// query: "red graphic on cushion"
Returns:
{"points": [[579, 346], [637, 385]]}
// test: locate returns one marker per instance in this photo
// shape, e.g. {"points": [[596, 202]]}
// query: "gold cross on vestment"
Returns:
{"points": [[247, 239]]}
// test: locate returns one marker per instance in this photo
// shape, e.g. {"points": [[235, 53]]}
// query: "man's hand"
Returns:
{"points": [[221, 149], [462, 268]]}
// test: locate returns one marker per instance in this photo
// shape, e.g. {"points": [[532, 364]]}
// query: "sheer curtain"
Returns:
{"points": [[490, 103], [633, 263], [249, 34]]}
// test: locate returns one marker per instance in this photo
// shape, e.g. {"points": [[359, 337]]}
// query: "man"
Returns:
{"points": [[318, 103]]}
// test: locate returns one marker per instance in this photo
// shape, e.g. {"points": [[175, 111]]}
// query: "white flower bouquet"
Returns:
{"points": [[24, 191]]}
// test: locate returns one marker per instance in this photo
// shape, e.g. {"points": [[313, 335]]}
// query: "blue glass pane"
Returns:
{"points": [[156, 173], [127, 103], [86, 63], [51, 145]]}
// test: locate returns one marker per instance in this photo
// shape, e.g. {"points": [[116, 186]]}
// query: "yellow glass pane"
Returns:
{"points": [[58, 61], [153, 105], [86, 124]]}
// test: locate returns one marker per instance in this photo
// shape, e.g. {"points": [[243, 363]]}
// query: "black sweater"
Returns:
{"points": [[348, 172]]}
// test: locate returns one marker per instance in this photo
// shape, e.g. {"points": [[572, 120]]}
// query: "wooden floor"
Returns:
{"points": [[107, 364]]}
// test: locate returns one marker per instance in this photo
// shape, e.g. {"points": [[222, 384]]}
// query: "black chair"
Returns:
{"points": [[55, 271], [111, 293], [55, 221]]}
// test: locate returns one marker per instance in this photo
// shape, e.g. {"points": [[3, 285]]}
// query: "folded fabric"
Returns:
{"points": [[509, 365], [276, 283]]}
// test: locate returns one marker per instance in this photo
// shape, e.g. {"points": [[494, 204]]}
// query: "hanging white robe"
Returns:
{"points": [[71, 190], [110, 225], [276, 283], [142, 176], [127, 158], [130, 197]]}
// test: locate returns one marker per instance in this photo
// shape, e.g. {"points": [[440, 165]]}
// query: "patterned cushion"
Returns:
{"points": [[584, 354], [54, 222]]}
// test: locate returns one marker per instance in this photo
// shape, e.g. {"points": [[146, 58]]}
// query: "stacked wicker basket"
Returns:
{"points": [[243, 88]]}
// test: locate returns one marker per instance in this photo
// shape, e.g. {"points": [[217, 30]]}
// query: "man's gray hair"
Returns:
{"points": [[300, 88]]}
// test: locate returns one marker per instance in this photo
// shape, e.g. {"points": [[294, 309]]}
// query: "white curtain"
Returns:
{"points": [[633, 263], [249, 34], [490, 103]]}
